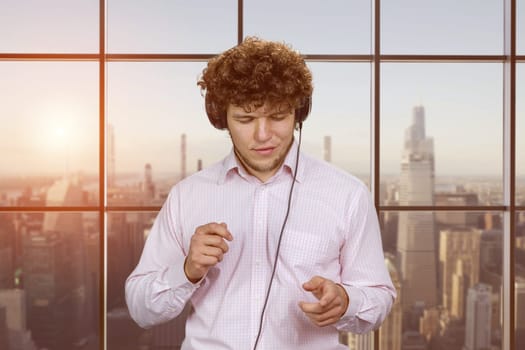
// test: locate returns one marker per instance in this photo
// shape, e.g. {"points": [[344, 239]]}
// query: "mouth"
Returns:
{"points": [[264, 151]]}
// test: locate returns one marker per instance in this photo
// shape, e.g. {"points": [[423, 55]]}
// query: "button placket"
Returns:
{"points": [[259, 235]]}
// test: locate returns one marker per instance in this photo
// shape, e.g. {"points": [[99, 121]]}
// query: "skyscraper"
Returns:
{"points": [[148, 186], [479, 316], [459, 256], [54, 265], [416, 241], [390, 331], [112, 176], [519, 320], [13, 304]]}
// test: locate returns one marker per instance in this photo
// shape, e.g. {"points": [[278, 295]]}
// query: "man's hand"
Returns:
{"points": [[207, 248], [333, 301]]}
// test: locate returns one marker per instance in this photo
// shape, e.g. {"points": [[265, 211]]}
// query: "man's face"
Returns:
{"points": [[261, 138]]}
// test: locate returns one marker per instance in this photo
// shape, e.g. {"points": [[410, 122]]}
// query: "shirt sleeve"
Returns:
{"points": [[157, 290], [364, 274]]}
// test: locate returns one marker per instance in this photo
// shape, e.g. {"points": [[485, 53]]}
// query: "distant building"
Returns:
{"points": [[459, 256], [112, 168], [55, 272], [357, 341], [412, 340], [519, 315], [391, 329], [4, 344], [50, 291], [13, 308], [7, 252], [148, 186], [479, 316], [457, 218], [416, 238]]}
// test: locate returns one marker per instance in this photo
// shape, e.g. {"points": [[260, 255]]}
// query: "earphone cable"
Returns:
{"points": [[280, 239]]}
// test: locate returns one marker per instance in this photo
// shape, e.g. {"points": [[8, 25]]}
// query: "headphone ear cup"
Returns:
{"points": [[216, 118], [302, 112]]}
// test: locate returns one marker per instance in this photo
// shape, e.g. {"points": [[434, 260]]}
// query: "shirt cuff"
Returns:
{"points": [[176, 279], [356, 299]]}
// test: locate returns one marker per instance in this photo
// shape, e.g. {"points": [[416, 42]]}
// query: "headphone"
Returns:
{"points": [[218, 118]]}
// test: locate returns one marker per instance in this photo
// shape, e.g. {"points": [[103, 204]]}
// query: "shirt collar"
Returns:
{"points": [[232, 167]]}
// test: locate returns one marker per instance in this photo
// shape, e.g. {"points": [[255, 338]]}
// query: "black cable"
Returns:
{"points": [[280, 239]]}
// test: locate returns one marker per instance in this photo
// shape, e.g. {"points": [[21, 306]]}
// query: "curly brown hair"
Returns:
{"points": [[253, 73]]}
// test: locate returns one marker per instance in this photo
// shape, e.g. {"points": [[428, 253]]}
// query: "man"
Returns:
{"points": [[272, 248]]}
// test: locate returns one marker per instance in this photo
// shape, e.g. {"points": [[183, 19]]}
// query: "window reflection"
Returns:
{"points": [[127, 232], [49, 280], [343, 27], [441, 132], [174, 26], [409, 27], [520, 134], [51, 26], [519, 286], [49, 130], [447, 267]]}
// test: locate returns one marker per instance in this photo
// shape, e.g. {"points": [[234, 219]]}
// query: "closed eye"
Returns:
{"points": [[244, 119], [279, 117]]}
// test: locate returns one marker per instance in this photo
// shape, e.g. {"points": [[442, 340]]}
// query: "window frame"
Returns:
{"points": [[509, 58]]}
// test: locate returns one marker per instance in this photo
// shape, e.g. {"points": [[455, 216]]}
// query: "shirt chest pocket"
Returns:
{"points": [[309, 253]]}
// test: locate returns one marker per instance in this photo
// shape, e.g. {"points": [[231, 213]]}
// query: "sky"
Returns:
{"points": [[49, 110]]}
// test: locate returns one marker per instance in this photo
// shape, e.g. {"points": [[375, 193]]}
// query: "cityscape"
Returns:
{"points": [[445, 265]]}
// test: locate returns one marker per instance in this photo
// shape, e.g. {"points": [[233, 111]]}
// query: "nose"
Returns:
{"points": [[262, 130]]}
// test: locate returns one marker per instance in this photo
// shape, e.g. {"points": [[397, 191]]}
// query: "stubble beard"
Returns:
{"points": [[265, 166]]}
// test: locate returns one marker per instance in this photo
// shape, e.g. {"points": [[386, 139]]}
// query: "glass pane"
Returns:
{"points": [[519, 287], [51, 26], [441, 134], [127, 233], [312, 27], [171, 26], [520, 134], [49, 119], [158, 131], [49, 280], [334, 131], [442, 27], [445, 273], [520, 27]]}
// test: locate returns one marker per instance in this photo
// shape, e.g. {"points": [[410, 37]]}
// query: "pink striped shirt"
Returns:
{"points": [[332, 231]]}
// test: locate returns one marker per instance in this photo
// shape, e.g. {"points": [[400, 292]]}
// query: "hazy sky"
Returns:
{"points": [[49, 110]]}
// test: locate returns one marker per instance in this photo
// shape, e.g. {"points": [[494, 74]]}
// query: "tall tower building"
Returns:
{"points": [[148, 187], [54, 265], [415, 241], [112, 179], [519, 315], [3, 329], [357, 341], [13, 302], [479, 315], [51, 310], [7, 251], [459, 257], [390, 332]]}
